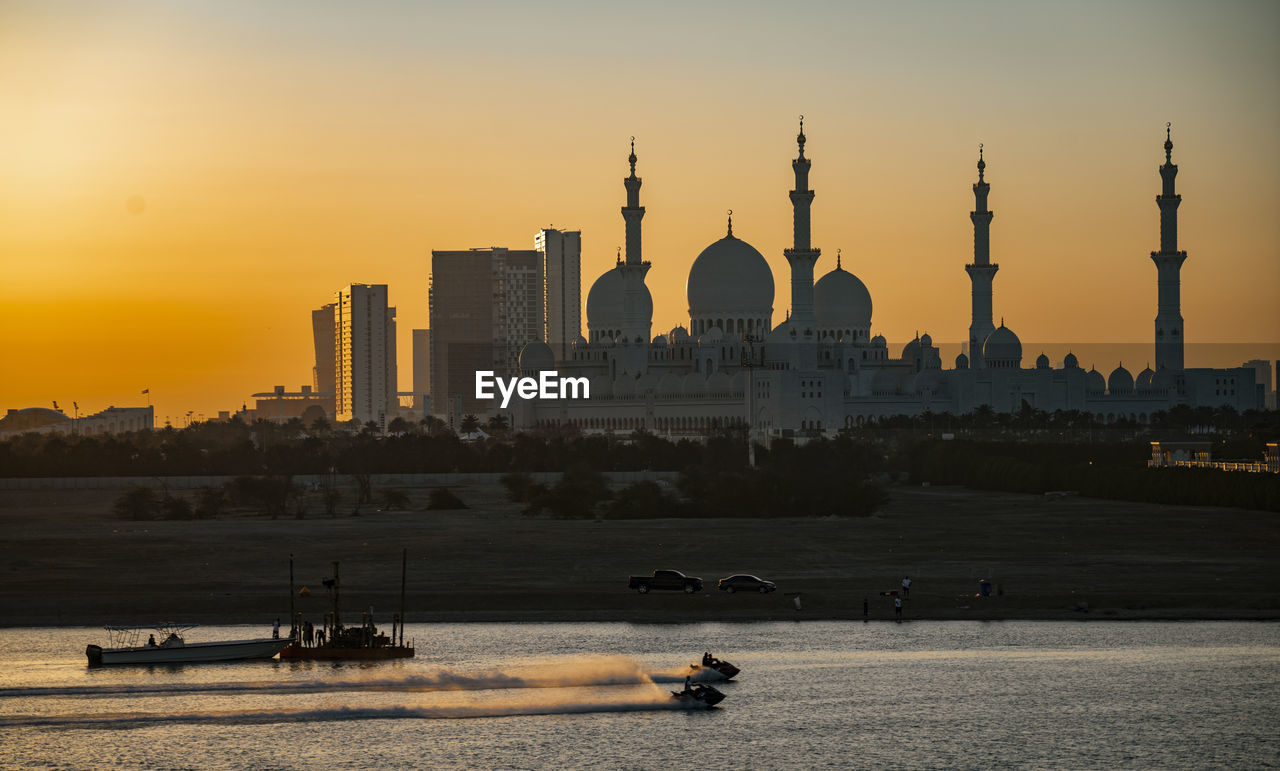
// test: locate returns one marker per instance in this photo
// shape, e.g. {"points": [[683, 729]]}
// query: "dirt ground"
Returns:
{"points": [[66, 560]]}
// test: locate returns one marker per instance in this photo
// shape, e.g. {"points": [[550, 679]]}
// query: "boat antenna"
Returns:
{"points": [[293, 619], [404, 566], [337, 612]]}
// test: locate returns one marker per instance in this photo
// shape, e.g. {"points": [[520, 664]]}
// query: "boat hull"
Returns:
{"points": [[192, 653], [300, 653], [715, 673]]}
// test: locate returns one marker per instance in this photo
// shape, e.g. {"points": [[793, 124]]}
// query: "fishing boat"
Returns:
{"points": [[334, 641], [125, 647]]}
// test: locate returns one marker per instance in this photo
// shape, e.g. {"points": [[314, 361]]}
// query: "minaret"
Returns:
{"points": [[981, 271], [635, 320], [1168, 266], [802, 257]]}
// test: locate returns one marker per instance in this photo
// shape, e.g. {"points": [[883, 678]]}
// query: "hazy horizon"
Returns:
{"points": [[181, 184]]}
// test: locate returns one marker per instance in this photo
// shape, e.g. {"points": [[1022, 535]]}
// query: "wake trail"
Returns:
{"points": [[103, 721], [612, 671]]}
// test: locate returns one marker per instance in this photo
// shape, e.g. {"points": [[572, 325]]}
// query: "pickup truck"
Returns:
{"points": [[670, 580]]}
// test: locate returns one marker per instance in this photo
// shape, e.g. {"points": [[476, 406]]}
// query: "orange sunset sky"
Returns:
{"points": [[181, 183]]}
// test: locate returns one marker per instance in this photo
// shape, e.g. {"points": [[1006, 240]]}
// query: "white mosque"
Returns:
{"points": [[822, 369]]}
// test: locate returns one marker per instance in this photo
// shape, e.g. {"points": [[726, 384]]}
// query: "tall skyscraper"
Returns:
{"points": [[485, 304], [562, 267], [421, 366], [323, 373], [1168, 268], [365, 354]]}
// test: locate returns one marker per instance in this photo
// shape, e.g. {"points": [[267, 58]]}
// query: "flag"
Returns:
{"points": [[55, 404], [146, 390]]}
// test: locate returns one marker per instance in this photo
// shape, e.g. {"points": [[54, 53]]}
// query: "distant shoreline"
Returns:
{"points": [[70, 563]]}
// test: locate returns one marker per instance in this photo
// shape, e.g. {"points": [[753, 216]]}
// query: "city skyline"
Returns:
{"points": [[124, 232]]}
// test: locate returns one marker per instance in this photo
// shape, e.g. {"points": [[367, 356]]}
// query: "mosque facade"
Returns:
{"points": [[822, 369]]}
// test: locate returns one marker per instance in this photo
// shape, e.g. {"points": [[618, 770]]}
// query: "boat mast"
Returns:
{"points": [[337, 612], [404, 566], [293, 632]]}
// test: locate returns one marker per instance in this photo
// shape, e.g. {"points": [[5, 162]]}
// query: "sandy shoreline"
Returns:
{"points": [[67, 561]]}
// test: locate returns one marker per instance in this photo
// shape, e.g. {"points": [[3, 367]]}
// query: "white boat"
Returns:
{"points": [[172, 648]]}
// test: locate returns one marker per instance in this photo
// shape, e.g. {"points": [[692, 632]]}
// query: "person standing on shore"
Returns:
{"points": [[275, 630], [897, 609], [906, 586], [866, 610]]}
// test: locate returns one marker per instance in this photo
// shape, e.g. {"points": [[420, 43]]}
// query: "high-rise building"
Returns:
{"points": [[485, 305], [322, 374], [562, 267], [365, 354], [421, 366], [1263, 378]]}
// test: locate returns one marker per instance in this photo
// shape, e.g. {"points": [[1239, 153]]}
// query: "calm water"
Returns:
{"points": [[916, 695]]}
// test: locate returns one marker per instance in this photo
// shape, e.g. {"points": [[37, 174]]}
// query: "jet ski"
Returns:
{"points": [[698, 696], [712, 669]]}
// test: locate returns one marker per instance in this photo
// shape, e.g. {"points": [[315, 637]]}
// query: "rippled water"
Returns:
{"points": [[921, 694]]}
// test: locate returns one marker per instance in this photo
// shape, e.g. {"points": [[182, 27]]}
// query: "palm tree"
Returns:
{"points": [[320, 425], [434, 426], [498, 424], [470, 423], [398, 426]]}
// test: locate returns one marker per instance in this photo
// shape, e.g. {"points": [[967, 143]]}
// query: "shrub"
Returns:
{"points": [[442, 498], [137, 503], [395, 499]]}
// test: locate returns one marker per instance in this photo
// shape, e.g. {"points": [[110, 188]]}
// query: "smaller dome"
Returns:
{"points": [[879, 342], [660, 341], [841, 301], [1042, 362], [537, 356], [1070, 362], [715, 334], [926, 341], [604, 301], [827, 339], [1002, 345], [669, 385], [1143, 383], [1094, 382], [962, 361], [679, 335], [693, 384], [601, 387], [1120, 381], [911, 350], [647, 382]]}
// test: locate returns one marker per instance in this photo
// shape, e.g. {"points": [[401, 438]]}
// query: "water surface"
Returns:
{"points": [[815, 694]]}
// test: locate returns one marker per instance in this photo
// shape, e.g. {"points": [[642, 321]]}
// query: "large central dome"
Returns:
{"points": [[730, 280]]}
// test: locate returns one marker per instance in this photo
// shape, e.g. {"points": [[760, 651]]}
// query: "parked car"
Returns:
{"points": [[746, 583], [671, 580]]}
